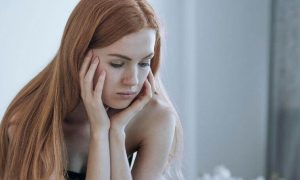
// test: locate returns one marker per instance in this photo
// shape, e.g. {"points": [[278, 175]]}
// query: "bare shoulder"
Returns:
{"points": [[156, 128], [155, 121], [157, 118]]}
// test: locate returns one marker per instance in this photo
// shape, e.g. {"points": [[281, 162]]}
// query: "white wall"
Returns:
{"points": [[215, 68], [217, 60], [30, 33]]}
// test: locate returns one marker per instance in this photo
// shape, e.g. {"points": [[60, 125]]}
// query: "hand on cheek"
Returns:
{"points": [[152, 82], [120, 120], [99, 70], [91, 93]]}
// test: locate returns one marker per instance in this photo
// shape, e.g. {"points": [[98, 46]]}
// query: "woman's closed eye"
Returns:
{"points": [[116, 65], [144, 64], [141, 64]]}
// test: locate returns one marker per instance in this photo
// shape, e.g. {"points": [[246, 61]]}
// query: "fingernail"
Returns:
{"points": [[90, 53], [154, 87]]}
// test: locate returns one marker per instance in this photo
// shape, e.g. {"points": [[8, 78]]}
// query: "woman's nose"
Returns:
{"points": [[131, 78]]}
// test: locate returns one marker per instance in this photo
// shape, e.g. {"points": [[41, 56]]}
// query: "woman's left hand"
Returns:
{"points": [[121, 119]]}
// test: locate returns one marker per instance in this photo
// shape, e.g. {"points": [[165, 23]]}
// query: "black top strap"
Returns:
{"points": [[81, 176]]}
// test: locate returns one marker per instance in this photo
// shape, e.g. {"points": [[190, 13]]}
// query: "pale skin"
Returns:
{"points": [[106, 127]]}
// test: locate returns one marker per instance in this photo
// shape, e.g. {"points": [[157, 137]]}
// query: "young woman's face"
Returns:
{"points": [[127, 64]]}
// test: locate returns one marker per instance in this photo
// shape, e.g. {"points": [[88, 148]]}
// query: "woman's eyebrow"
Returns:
{"points": [[128, 58]]}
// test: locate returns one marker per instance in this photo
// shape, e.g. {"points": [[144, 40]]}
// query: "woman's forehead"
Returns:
{"points": [[135, 45]]}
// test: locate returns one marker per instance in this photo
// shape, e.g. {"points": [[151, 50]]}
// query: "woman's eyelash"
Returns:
{"points": [[120, 65], [144, 64], [116, 65]]}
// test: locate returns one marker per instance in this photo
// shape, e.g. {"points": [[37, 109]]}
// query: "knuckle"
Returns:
{"points": [[84, 97], [81, 74], [89, 102], [86, 80], [100, 90], [97, 96], [93, 104]]}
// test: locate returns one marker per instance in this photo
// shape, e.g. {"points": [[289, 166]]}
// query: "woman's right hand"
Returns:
{"points": [[92, 96]]}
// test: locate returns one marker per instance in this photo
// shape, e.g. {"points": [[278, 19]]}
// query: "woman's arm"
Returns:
{"points": [[153, 154], [157, 133], [119, 163], [98, 166]]}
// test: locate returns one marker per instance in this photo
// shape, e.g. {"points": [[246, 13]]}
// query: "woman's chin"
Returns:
{"points": [[121, 105]]}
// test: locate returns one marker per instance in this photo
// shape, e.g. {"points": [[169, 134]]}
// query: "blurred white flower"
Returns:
{"points": [[222, 173]]}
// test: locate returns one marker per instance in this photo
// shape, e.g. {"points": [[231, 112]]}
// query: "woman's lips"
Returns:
{"points": [[127, 95]]}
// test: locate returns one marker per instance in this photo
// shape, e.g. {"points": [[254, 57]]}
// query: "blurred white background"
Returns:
{"points": [[216, 58]]}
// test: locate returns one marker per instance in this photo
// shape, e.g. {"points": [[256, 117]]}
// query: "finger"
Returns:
{"points": [[140, 102], [85, 64], [137, 105], [100, 84], [83, 70], [147, 91], [152, 81], [88, 79]]}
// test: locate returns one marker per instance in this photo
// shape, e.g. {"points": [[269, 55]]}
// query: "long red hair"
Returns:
{"points": [[38, 110]]}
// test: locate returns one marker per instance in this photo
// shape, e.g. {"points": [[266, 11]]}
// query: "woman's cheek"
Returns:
{"points": [[145, 75], [142, 78]]}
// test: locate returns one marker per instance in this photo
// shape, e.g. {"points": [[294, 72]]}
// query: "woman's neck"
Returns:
{"points": [[79, 114]]}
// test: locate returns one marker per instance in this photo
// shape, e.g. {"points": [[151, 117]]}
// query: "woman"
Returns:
{"points": [[96, 103]]}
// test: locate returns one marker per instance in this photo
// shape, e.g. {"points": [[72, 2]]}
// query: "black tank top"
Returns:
{"points": [[81, 176]]}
